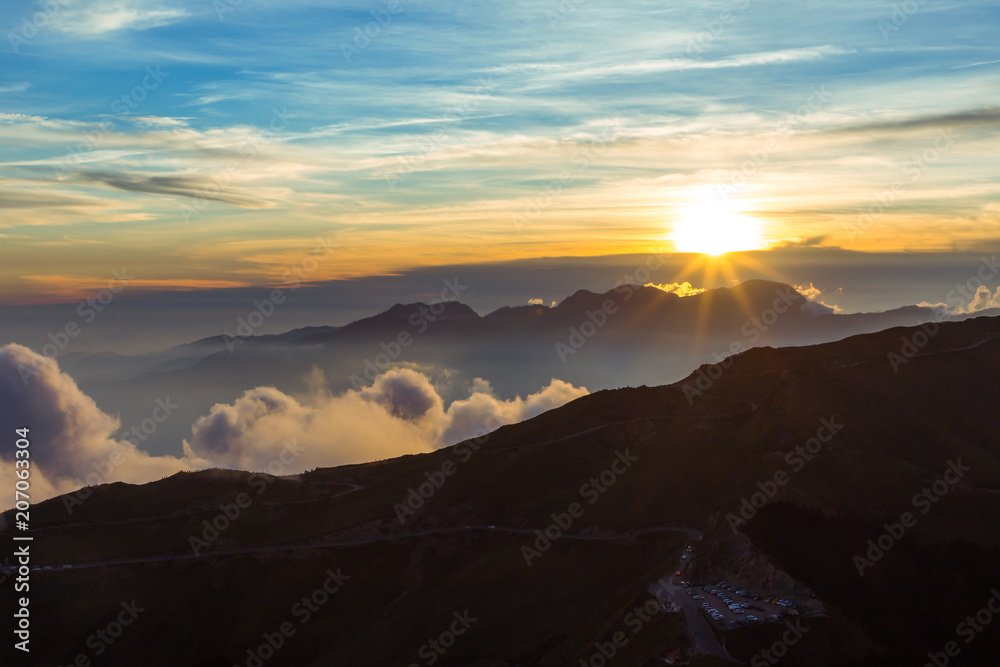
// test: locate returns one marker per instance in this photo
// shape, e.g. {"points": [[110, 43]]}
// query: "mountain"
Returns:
{"points": [[856, 481], [630, 335]]}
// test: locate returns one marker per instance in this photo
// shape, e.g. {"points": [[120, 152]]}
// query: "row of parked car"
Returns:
{"points": [[732, 589], [738, 608], [713, 612]]}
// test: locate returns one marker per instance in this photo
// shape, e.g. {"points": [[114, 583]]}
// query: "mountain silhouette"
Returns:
{"points": [[788, 472]]}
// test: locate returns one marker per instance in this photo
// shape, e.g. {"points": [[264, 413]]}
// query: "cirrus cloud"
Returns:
{"points": [[95, 19]]}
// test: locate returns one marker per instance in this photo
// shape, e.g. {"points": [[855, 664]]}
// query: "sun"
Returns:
{"points": [[714, 228]]}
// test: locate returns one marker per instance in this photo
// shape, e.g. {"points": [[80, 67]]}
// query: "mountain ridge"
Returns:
{"points": [[696, 465]]}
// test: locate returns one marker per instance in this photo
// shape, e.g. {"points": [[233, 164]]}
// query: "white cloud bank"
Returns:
{"points": [[73, 441], [984, 299], [71, 438], [400, 413]]}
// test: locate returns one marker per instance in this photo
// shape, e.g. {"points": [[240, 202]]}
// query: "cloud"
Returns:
{"points": [[573, 70], [180, 186], [91, 19], [161, 121], [400, 413], [73, 442], [680, 289], [405, 394], [985, 62], [815, 306], [811, 242], [983, 299], [9, 199], [810, 292], [551, 87], [71, 439], [969, 118], [466, 417]]}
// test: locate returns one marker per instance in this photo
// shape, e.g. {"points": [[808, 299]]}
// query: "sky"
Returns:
{"points": [[166, 166], [215, 145]]}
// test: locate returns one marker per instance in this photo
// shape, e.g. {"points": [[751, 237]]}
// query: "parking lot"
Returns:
{"points": [[729, 607]]}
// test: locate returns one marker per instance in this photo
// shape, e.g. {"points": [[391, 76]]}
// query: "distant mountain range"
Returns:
{"points": [[858, 481], [631, 309], [631, 335]]}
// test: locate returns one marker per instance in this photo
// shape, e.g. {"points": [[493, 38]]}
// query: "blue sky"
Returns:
{"points": [[419, 148]]}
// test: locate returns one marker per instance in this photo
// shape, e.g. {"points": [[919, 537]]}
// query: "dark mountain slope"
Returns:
{"points": [[694, 459]]}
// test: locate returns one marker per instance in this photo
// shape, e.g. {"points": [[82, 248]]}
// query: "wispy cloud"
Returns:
{"points": [[684, 124], [22, 199], [959, 119], [160, 121], [585, 71], [986, 62], [178, 186], [93, 19]]}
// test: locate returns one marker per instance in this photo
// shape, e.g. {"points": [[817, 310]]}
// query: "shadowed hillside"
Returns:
{"points": [[835, 440]]}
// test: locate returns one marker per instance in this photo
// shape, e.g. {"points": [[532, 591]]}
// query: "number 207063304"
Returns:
{"points": [[22, 486]]}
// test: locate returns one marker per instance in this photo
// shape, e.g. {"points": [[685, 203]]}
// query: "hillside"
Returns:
{"points": [[652, 471]]}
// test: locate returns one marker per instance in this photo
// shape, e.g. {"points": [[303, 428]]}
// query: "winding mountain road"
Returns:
{"points": [[370, 540]]}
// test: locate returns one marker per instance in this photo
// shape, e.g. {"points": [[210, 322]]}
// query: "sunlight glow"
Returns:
{"points": [[714, 228]]}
